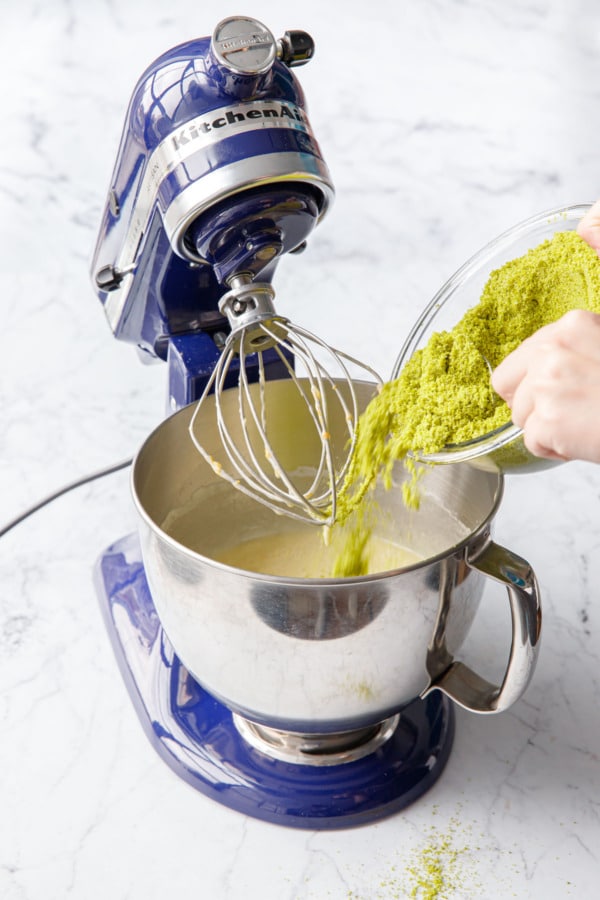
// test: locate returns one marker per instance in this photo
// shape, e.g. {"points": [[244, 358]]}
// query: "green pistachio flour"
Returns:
{"points": [[443, 395]]}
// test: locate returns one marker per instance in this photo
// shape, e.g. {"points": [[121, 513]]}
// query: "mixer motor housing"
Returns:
{"points": [[218, 175]]}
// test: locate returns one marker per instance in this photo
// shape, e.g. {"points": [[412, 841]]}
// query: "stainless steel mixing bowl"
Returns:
{"points": [[325, 655]]}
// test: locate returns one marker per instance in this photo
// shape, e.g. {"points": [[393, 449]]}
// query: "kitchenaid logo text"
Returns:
{"points": [[257, 38], [285, 114]]}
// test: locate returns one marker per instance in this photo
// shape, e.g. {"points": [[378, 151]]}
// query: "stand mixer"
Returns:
{"points": [[217, 176]]}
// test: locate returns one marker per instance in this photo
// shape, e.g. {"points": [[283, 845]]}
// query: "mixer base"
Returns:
{"points": [[195, 734]]}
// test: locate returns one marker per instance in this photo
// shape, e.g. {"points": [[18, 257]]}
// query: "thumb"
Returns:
{"points": [[589, 227]]}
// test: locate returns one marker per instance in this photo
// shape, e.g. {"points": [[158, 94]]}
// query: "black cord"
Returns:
{"points": [[68, 487]]}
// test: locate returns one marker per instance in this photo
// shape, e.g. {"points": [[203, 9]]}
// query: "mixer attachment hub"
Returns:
{"points": [[250, 311]]}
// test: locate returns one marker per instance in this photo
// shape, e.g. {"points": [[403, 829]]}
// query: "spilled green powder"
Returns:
{"points": [[433, 873], [442, 866], [443, 395]]}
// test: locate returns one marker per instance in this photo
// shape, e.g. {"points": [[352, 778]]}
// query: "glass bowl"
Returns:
{"points": [[504, 447]]}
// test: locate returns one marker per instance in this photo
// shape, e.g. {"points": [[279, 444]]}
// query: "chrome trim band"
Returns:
{"points": [[241, 176], [316, 749]]}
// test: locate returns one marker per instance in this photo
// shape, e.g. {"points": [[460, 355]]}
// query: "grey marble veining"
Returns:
{"points": [[443, 122]]}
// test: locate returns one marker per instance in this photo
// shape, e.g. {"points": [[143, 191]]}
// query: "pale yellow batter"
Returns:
{"points": [[302, 554]]}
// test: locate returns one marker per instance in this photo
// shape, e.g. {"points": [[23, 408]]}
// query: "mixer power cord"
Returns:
{"points": [[86, 479]]}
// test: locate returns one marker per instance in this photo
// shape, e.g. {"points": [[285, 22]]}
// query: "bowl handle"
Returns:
{"points": [[460, 682]]}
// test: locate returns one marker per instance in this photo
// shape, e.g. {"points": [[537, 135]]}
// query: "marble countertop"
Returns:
{"points": [[443, 123]]}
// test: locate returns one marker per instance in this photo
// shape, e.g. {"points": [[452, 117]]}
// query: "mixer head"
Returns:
{"points": [[218, 176]]}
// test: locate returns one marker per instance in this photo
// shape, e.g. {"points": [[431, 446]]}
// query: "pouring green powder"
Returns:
{"points": [[443, 395]]}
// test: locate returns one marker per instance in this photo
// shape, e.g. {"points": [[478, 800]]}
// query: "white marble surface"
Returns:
{"points": [[443, 122]]}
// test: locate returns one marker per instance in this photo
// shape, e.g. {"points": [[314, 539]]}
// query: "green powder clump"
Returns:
{"points": [[443, 395], [353, 560]]}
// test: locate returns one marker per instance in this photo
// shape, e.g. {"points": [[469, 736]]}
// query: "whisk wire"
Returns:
{"points": [[260, 421], [251, 477], [250, 463], [317, 410], [246, 472], [351, 416], [245, 482], [316, 405]]}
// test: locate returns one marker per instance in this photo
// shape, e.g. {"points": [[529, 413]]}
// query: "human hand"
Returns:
{"points": [[551, 382], [589, 227]]}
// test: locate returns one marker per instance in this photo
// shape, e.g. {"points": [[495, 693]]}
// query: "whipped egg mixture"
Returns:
{"points": [[303, 554]]}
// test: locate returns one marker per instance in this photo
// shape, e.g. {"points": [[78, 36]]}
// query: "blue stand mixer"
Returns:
{"points": [[217, 176]]}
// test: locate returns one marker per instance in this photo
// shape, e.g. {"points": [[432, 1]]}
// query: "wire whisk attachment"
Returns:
{"points": [[266, 437]]}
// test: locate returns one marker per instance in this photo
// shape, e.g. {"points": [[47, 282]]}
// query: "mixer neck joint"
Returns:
{"points": [[250, 311]]}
